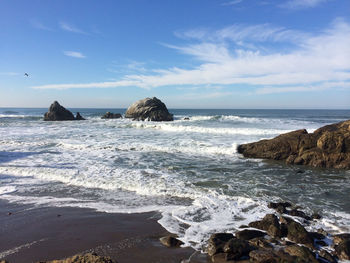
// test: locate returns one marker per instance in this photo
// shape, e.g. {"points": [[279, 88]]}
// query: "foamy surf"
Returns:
{"points": [[188, 170]]}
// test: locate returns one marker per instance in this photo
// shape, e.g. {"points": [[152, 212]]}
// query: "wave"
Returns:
{"points": [[209, 130]]}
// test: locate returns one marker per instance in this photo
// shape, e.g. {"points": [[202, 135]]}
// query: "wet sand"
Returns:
{"points": [[31, 234]]}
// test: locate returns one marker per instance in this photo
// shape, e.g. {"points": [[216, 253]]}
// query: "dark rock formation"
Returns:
{"points": [[248, 234], [337, 239], [343, 250], [271, 248], [327, 147], [151, 109], [79, 117], [58, 113], [217, 242], [302, 253], [271, 256], [326, 256], [269, 223], [171, 241], [89, 257], [298, 234], [111, 115]]}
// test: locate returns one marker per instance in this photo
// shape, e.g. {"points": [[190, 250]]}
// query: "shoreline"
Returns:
{"points": [[32, 234]]}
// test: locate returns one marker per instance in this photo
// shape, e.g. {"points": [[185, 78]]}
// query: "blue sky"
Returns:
{"points": [[189, 53]]}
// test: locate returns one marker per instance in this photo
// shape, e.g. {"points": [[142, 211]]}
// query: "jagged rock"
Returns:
{"points": [[270, 224], [248, 234], [302, 253], [337, 239], [326, 256], [236, 248], [86, 258], [270, 256], [111, 115], [260, 242], [298, 234], [327, 147], [298, 213], [343, 250], [79, 117], [171, 241], [316, 216], [217, 242], [280, 207], [151, 109], [58, 113]]}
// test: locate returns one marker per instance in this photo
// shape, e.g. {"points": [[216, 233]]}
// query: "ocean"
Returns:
{"points": [[188, 170]]}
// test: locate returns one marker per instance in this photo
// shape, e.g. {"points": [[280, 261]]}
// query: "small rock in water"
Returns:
{"points": [[111, 115], [79, 117], [171, 241]]}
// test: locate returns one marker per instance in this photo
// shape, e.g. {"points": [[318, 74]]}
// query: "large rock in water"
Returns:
{"points": [[151, 109], [327, 147], [58, 113]]}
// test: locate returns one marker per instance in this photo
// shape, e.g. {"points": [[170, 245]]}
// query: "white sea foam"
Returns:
{"points": [[188, 170], [207, 130]]}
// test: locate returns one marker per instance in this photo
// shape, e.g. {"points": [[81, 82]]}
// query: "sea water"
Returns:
{"points": [[188, 170]]}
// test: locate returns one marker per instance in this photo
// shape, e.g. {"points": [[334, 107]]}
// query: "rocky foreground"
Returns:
{"points": [[277, 238], [327, 147]]}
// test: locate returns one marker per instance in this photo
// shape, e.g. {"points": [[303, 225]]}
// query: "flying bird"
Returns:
{"points": [[26, 74]]}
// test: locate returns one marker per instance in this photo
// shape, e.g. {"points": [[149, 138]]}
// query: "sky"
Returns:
{"points": [[233, 54]]}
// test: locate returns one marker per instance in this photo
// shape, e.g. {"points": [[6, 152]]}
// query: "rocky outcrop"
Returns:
{"points": [[111, 115], [89, 257], [327, 147], [293, 244], [151, 109], [59, 113]]}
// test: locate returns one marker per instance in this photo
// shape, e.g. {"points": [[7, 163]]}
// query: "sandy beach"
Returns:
{"points": [[31, 234]]}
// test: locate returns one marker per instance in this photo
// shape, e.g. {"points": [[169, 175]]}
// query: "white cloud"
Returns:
{"points": [[298, 4], [74, 54], [70, 28], [312, 63]]}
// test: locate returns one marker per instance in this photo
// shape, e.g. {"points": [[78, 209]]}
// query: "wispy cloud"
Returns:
{"points": [[71, 28], [247, 33], [314, 62], [234, 2], [9, 73], [300, 4], [38, 25], [310, 88], [74, 54]]}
